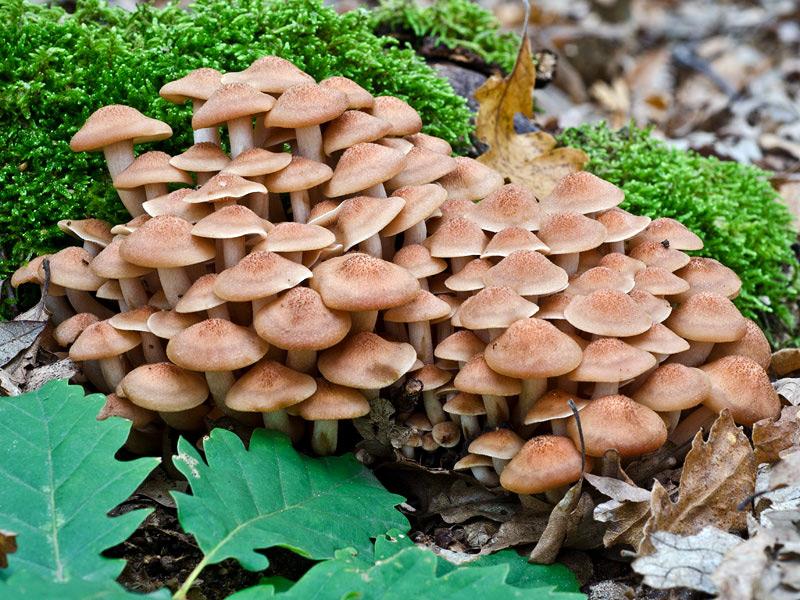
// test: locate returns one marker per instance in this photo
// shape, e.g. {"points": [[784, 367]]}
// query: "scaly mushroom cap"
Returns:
{"points": [[174, 204], [269, 74], [512, 239], [672, 231], [659, 254], [708, 275], [357, 96], [215, 345], [362, 166], [134, 319], [164, 387], [600, 278], [359, 282], [470, 277], [165, 242], [331, 402], [707, 317], [305, 105], [70, 268], [353, 127], [476, 377], [554, 405], [528, 273], [417, 260], [753, 345], [198, 84], [200, 296], [301, 174], [32, 272], [100, 340], [544, 463], [169, 323], [494, 307], [611, 360], [584, 193], [109, 264], [203, 157], [470, 180], [622, 263], [230, 222], [465, 405], [533, 349], [269, 386], [259, 275], [299, 320], [150, 167], [430, 377], [658, 340], [224, 186], [621, 225], [570, 232], [739, 384], [618, 423], [257, 161], [424, 307], [96, 231], [657, 308], [421, 201], [229, 102], [296, 237], [500, 443], [117, 123], [552, 307], [455, 237], [673, 387], [366, 361], [403, 119], [433, 143], [510, 206], [67, 331], [361, 217], [659, 282], [422, 166], [607, 312]]}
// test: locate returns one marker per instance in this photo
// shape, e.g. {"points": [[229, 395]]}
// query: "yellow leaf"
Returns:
{"points": [[527, 159]]}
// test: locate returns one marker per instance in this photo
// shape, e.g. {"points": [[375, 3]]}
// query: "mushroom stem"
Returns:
{"points": [[559, 427], [59, 308], [555, 495], [363, 321], [133, 291], [203, 178], [278, 420], [532, 390], [415, 234], [174, 282], [301, 206], [372, 246], [152, 348], [185, 420], [496, 410], [568, 262], [419, 336], [485, 475], [696, 354], [670, 419], [219, 312], [616, 247], [259, 202], [309, 143], [376, 191], [700, 418], [470, 426], [433, 408], [233, 250], [500, 464], [396, 331], [119, 156], [206, 134], [240, 134], [605, 388], [304, 361], [154, 190], [113, 370], [219, 382], [457, 263], [84, 302], [324, 437], [444, 329]]}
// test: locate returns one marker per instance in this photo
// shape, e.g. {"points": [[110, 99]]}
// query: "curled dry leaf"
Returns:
{"points": [[785, 361], [788, 388], [17, 337], [717, 475], [8, 545], [528, 159], [773, 436], [685, 561], [625, 514]]}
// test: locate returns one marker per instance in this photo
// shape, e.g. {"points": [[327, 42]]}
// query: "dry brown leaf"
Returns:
{"points": [[8, 545], [789, 388], [773, 436], [529, 159], [625, 515], [717, 475], [785, 361]]}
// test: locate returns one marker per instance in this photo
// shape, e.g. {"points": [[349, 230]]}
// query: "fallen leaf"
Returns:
{"points": [[8, 545], [773, 436], [16, 337], [788, 388], [625, 515], [61, 369], [785, 361], [528, 159], [685, 561], [717, 475]]}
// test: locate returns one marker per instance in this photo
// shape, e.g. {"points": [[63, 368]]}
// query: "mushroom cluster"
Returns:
{"points": [[337, 251]]}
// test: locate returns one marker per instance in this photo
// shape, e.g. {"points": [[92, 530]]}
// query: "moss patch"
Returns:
{"points": [[732, 207]]}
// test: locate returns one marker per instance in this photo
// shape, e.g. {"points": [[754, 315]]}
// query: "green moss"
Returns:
{"points": [[453, 23], [732, 207], [56, 68]]}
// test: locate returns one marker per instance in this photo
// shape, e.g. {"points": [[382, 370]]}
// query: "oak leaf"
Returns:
{"points": [[625, 515], [528, 159], [773, 436]]}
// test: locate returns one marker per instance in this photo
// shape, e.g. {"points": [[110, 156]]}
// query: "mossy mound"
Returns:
{"points": [[56, 68], [731, 206]]}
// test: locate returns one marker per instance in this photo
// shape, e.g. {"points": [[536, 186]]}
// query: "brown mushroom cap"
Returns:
{"points": [[403, 119], [353, 127], [331, 402], [224, 186], [552, 307], [739, 384], [512, 239], [164, 387], [423, 307], [362, 166], [673, 387], [134, 319], [357, 96], [659, 282], [109, 264], [70, 268], [417, 260], [68, 330], [528, 273], [258, 275], [584, 193], [301, 174], [607, 312], [461, 346], [198, 84], [421, 201], [423, 140], [500, 443], [422, 166], [600, 278], [130, 226], [215, 345], [544, 463], [494, 307], [554, 405], [203, 157], [165, 242], [707, 317], [470, 461], [658, 308], [30, 272], [618, 423], [110, 290], [708, 275], [366, 361], [570, 232], [476, 377], [174, 204], [361, 217], [169, 323], [464, 404], [229, 102], [533, 349], [622, 263], [230, 222], [269, 386], [100, 340], [96, 231], [611, 360], [672, 231], [359, 282], [470, 180], [200, 296], [457, 236], [658, 340], [659, 254], [269, 74], [470, 277], [509, 206], [117, 123], [621, 225], [257, 161], [298, 320], [305, 105], [150, 167], [296, 237], [753, 345]]}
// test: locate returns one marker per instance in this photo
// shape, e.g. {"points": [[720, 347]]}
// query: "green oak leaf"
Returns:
{"points": [[270, 495], [59, 478], [25, 585]]}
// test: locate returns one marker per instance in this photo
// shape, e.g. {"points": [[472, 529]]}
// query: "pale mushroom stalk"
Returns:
{"points": [[152, 348], [363, 320], [696, 354], [419, 336], [496, 409], [415, 234], [119, 157], [133, 291], [433, 408], [233, 250], [301, 206], [278, 420], [372, 246], [325, 437], [376, 191], [470, 426], [83, 301], [113, 370], [154, 190], [185, 420], [59, 308], [671, 419], [616, 247], [174, 282], [240, 134], [206, 134], [700, 418], [396, 331], [568, 262], [309, 143], [457, 263], [258, 202], [444, 329], [605, 388], [303, 361], [219, 312], [485, 475], [532, 390], [500, 464]]}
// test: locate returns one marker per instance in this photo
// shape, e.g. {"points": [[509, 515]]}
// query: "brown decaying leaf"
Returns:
{"points": [[773, 436], [785, 361], [788, 388], [717, 475], [625, 514], [8, 545], [529, 159]]}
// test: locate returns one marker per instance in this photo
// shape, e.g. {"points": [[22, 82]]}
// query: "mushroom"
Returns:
{"points": [[740, 384], [174, 204], [94, 233], [69, 268], [510, 240], [402, 117], [584, 193], [418, 313], [459, 346], [109, 264], [528, 273], [255, 164], [293, 239], [543, 464], [360, 219], [350, 128], [421, 166], [466, 408], [54, 295], [620, 226], [553, 407], [609, 361], [364, 168], [477, 378], [430, 142], [457, 238], [672, 388], [494, 309], [206, 159], [509, 206], [200, 297], [481, 468], [136, 320], [470, 180], [102, 342], [357, 96], [659, 254], [567, 234], [300, 176], [421, 201], [431, 378], [230, 224], [607, 313], [708, 275], [198, 86], [151, 171], [671, 231], [501, 445], [753, 345]]}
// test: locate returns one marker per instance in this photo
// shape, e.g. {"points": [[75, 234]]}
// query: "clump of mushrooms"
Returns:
{"points": [[338, 255]]}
